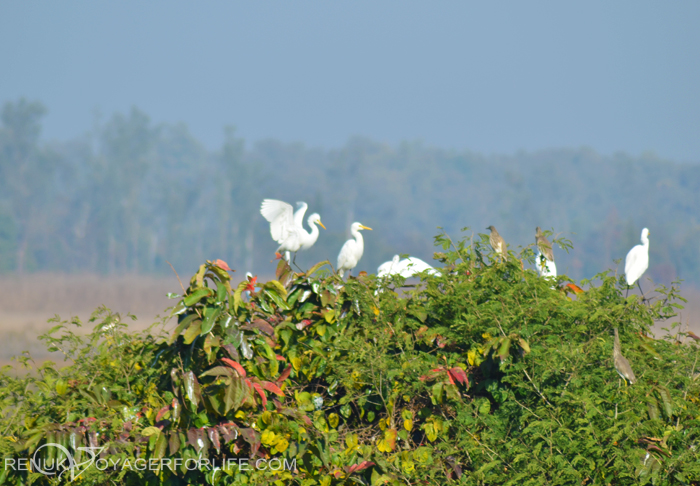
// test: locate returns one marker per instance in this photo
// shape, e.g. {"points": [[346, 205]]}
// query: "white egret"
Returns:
{"points": [[389, 268], [498, 243], [637, 261], [407, 267], [286, 226], [352, 250], [546, 268]]}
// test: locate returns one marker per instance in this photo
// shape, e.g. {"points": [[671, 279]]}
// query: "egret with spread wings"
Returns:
{"points": [[286, 226]]}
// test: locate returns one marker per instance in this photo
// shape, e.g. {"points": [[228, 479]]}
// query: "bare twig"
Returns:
{"points": [[178, 277]]}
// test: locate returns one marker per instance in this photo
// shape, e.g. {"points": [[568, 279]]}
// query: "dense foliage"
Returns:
{"points": [[131, 194], [486, 374]]}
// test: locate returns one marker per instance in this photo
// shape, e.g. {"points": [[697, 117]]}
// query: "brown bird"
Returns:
{"points": [[497, 242], [544, 245], [621, 364]]}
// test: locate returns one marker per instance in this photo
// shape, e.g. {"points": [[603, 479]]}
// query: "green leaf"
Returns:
{"points": [[278, 287], [276, 299], [504, 350], [236, 394], [61, 387], [316, 267], [210, 317], [666, 400], [197, 295], [193, 331], [237, 296], [149, 431], [182, 325]]}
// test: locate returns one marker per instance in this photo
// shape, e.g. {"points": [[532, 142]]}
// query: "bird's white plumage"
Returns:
{"points": [[286, 227], [545, 267], [407, 267], [308, 239], [388, 268], [637, 260], [299, 214], [281, 217], [352, 250]]}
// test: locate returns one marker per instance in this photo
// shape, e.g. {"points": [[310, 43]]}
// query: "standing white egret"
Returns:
{"points": [[352, 250], [407, 267], [637, 261], [286, 226]]}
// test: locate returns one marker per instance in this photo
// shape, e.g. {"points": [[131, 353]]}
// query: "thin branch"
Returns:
{"points": [[178, 277]]}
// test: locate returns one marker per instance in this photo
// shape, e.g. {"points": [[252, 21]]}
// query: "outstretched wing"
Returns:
{"points": [[281, 218]]}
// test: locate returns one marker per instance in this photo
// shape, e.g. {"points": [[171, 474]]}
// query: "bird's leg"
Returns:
{"points": [[294, 262], [641, 292], [627, 293]]}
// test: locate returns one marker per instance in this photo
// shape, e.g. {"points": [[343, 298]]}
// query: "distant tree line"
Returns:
{"points": [[130, 195]]}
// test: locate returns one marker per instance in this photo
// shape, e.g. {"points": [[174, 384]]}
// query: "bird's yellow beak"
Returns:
{"points": [[365, 227], [319, 222]]}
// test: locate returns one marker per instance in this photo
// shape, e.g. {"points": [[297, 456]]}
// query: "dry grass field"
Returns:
{"points": [[26, 303]]}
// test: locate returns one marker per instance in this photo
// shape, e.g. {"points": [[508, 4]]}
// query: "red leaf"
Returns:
{"points": [[459, 375], [271, 387], [449, 376], [305, 323], [235, 366], [575, 288], [280, 358], [359, 467], [284, 375], [261, 325], [261, 393], [307, 420], [223, 265], [691, 334], [162, 412]]}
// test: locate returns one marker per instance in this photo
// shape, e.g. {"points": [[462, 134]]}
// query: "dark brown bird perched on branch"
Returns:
{"points": [[544, 245], [621, 364], [498, 243]]}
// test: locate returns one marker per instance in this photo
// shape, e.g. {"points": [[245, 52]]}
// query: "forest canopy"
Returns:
{"points": [[131, 194]]}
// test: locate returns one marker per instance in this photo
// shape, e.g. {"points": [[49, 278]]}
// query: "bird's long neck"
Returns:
{"points": [[645, 242], [616, 345], [313, 235], [360, 241]]}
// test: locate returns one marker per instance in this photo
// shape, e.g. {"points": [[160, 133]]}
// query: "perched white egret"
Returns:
{"points": [[286, 226], [546, 268], [352, 250], [407, 267], [389, 268], [637, 261]]}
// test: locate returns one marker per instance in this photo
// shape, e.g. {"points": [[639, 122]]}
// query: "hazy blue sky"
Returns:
{"points": [[488, 76]]}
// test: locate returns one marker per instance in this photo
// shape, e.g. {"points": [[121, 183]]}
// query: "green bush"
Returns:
{"points": [[486, 374]]}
